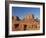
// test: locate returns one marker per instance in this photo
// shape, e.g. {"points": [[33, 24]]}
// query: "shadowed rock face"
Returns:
{"points": [[28, 23], [15, 18]]}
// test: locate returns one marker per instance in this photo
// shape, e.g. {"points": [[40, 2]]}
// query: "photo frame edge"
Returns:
{"points": [[7, 17]]}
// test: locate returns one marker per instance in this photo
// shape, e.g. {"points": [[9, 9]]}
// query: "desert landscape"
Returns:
{"points": [[28, 23]]}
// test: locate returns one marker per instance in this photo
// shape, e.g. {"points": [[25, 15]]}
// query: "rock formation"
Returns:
{"points": [[29, 23]]}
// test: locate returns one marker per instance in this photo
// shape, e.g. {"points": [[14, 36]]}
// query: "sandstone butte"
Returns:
{"points": [[28, 23]]}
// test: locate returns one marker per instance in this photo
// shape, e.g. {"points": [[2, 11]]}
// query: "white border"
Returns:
{"points": [[25, 32]]}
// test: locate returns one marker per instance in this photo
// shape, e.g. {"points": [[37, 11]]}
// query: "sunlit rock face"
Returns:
{"points": [[28, 23], [14, 17], [29, 16]]}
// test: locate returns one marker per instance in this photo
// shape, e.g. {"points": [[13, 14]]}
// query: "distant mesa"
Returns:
{"points": [[29, 16], [15, 18]]}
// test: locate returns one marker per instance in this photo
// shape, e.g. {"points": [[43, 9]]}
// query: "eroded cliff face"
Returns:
{"points": [[28, 23]]}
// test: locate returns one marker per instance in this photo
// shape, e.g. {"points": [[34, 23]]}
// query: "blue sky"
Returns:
{"points": [[22, 11]]}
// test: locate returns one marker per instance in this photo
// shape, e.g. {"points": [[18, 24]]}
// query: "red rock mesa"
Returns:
{"points": [[28, 23]]}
